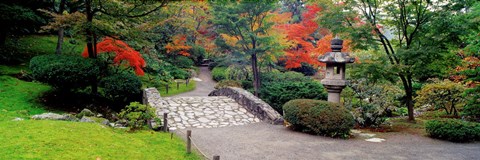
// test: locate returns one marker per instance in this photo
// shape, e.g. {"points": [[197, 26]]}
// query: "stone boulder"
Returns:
{"points": [[52, 116], [87, 119], [85, 112]]}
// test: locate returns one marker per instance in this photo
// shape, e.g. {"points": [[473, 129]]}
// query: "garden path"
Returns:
{"points": [[204, 87], [275, 142]]}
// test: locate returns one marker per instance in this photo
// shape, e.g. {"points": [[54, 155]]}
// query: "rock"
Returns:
{"points": [[50, 116], [87, 120], [17, 119], [106, 122], [85, 112], [376, 140]]}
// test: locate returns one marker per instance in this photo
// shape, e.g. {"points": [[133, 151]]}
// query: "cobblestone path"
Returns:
{"points": [[203, 112]]}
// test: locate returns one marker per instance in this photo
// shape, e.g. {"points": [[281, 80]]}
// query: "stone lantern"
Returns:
{"points": [[334, 79]]}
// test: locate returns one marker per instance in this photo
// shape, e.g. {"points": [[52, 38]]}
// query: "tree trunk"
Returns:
{"points": [[256, 79], [60, 31], [408, 95], [90, 41], [59, 41]]}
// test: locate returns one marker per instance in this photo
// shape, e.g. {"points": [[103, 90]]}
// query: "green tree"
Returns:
{"points": [[445, 95], [243, 27], [404, 30]]}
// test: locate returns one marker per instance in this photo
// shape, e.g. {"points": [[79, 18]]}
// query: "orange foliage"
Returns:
{"points": [[303, 35], [122, 51], [179, 44], [468, 63]]}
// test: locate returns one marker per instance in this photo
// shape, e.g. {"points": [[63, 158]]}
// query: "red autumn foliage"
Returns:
{"points": [[302, 34], [122, 51]]}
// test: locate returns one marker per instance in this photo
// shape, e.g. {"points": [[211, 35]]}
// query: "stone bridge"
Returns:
{"points": [[223, 107]]}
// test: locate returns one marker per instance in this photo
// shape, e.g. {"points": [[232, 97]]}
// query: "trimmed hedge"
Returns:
{"points": [[219, 73], [228, 83], [453, 130], [64, 72], [122, 87], [318, 117], [277, 94]]}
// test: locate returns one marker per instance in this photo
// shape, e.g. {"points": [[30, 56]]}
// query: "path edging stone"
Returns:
{"points": [[252, 103]]}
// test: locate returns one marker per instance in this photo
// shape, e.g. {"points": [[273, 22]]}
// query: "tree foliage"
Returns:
{"points": [[446, 95], [123, 53]]}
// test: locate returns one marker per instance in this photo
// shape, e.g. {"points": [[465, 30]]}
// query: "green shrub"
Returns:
{"points": [[137, 115], [228, 83], [122, 87], [182, 62], [278, 93], [176, 73], [283, 77], [318, 117], [198, 53], [64, 72], [472, 109], [219, 73], [446, 95], [453, 130]]}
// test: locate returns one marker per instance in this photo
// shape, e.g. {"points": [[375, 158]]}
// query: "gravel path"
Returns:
{"points": [[264, 141], [204, 87]]}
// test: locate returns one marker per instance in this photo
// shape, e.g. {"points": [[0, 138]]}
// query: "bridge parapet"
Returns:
{"points": [[253, 104]]}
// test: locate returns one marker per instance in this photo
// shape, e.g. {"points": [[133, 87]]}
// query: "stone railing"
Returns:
{"points": [[252, 103], [151, 96]]}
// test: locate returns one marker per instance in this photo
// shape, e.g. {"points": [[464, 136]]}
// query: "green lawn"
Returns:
{"points": [[42, 139], [46, 44], [172, 86], [18, 98]]}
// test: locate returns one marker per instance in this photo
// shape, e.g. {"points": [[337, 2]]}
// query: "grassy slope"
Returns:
{"points": [[32, 139], [38, 45], [17, 98]]}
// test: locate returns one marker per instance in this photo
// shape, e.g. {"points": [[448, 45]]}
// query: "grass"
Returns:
{"points": [[42, 44], [42, 139], [172, 86], [19, 98]]}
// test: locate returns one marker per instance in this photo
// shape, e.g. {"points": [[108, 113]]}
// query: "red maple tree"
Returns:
{"points": [[304, 35], [123, 53]]}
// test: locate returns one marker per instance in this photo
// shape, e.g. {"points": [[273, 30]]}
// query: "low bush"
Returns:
{"points": [[283, 77], [228, 83], [182, 62], [318, 117], [219, 73], [137, 115], [278, 93], [453, 130], [123, 87], [472, 108], [64, 72]]}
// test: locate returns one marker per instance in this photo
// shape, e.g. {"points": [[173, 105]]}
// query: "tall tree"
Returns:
{"points": [[401, 28], [245, 23]]}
